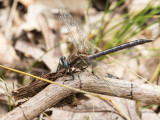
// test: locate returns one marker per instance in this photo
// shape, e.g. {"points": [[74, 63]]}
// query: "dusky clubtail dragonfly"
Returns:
{"points": [[81, 60]]}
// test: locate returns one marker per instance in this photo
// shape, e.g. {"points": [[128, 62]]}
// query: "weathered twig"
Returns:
{"points": [[35, 86], [52, 94]]}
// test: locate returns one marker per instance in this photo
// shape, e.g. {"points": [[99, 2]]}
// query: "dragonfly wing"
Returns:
{"points": [[76, 33], [106, 73]]}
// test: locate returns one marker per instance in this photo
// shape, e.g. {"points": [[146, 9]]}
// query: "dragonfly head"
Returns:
{"points": [[64, 62], [63, 58]]}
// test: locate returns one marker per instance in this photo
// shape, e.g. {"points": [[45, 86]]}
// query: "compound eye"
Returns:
{"points": [[63, 58]]}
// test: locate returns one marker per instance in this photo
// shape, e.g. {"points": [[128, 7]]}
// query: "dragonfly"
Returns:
{"points": [[85, 56]]}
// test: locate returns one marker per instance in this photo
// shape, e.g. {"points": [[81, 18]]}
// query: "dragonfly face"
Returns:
{"points": [[64, 62], [76, 62]]}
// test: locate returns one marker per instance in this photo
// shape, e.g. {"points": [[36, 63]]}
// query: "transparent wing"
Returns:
{"points": [[106, 73], [76, 33], [78, 38]]}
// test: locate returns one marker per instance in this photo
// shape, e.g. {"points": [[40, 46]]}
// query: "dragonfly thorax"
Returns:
{"points": [[79, 61]]}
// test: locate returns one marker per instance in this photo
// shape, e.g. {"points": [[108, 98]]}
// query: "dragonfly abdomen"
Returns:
{"points": [[120, 47]]}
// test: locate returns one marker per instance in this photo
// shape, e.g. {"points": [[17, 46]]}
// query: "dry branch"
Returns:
{"points": [[52, 94]]}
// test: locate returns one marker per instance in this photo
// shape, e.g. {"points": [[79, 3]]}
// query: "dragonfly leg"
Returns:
{"points": [[83, 68], [111, 76], [58, 67], [71, 73]]}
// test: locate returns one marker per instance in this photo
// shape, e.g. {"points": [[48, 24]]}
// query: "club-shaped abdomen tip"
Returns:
{"points": [[145, 40], [150, 40]]}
